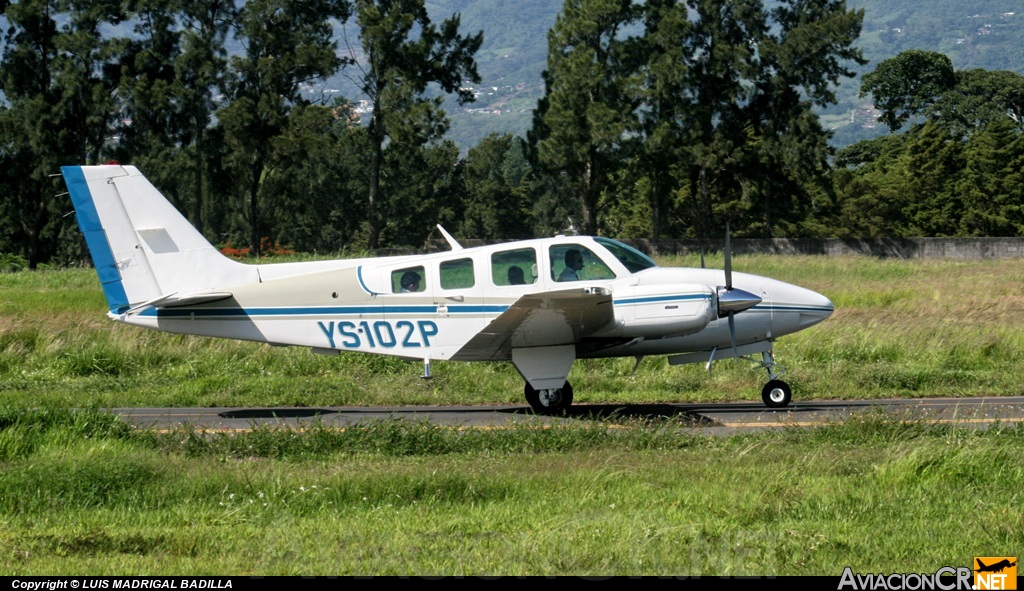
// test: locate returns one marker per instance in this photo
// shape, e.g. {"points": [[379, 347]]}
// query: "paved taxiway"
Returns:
{"points": [[723, 418]]}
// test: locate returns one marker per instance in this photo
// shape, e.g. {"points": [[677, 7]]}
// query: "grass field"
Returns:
{"points": [[82, 493]]}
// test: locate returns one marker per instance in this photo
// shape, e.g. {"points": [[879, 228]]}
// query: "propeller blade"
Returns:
{"points": [[728, 259], [732, 336]]}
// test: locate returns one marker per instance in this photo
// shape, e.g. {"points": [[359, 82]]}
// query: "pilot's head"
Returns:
{"points": [[410, 281], [573, 259], [515, 276]]}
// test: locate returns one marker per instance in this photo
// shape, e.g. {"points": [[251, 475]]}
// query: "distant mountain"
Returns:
{"points": [[987, 34]]}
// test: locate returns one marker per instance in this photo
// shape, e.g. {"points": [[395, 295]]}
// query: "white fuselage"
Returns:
{"points": [[352, 305]]}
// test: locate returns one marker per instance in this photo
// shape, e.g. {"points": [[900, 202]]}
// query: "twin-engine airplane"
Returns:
{"points": [[540, 304]]}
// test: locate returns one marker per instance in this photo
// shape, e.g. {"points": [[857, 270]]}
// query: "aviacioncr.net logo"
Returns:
{"points": [[946, 578], [995, 573]]}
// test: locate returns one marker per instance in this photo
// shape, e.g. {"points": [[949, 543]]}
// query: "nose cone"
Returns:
{"points": [[813, 307]]}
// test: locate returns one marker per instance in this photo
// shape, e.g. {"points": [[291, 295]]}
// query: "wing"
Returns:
{"points": [[539, 320]]}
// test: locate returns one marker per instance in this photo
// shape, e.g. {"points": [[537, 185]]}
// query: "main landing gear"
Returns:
{"points": [[549, 402]]}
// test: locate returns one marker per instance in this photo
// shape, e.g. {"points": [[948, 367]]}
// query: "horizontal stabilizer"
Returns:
{"points": [[192, 300], [173, 300]]}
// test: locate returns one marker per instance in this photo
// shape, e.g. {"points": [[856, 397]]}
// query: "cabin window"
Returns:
{"points": [[457, 274], [575, 262], [514, 267], [408, 280]]}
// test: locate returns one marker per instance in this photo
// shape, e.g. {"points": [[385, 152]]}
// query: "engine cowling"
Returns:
{"points": [[662, 310]]}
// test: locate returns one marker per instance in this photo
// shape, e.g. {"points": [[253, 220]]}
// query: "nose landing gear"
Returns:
{"points": [[776, 393]]}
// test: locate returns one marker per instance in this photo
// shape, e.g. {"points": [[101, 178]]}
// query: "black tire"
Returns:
{"points": [[554, 404], [776, 394]]}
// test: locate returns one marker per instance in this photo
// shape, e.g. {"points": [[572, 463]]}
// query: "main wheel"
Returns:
{"points": [[776, 394], [549, 402]]}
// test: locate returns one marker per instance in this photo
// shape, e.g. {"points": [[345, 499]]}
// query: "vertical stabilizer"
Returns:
{"points": [[142, 247]]}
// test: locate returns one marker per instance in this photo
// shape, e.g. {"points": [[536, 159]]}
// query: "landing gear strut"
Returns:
{"points": [[549, 402], [776, 393]]}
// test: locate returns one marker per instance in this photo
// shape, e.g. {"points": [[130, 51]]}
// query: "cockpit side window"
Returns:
{"points": [[410, 280], [575, 262]]}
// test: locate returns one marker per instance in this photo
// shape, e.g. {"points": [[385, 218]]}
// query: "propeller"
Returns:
{"points": [[730, 299]]}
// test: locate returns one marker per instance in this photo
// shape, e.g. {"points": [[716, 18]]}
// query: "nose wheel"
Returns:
{"points": [[550, 401], [776, 394]]}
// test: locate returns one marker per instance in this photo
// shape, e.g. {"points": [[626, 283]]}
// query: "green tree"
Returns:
{"points": [[285, 45], [800, 60], [904, 86], [59, 82], [321, 194], [666, 65], [199, 71], [980, 98], [404, 53], [721, 46], [756, 154], [934, 159], [872, 196], [960, 159], [497, 204], [923, 84], [589, 103], [992, 206], [426, 189], [149, 93]]}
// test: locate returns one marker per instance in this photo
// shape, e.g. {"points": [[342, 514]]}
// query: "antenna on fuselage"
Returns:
{"points": [[451, 240]]}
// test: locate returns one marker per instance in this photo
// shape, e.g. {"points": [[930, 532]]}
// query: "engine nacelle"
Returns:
{"points": [[661, 310]]}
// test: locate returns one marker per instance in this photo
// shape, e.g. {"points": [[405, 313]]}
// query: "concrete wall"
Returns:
{"points": [[906, 248]]}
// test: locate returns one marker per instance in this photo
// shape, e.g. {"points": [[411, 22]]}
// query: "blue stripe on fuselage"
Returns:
{"points": [[362, 284], [317, 311], [656, 299], [788, 308], [95, 238]]}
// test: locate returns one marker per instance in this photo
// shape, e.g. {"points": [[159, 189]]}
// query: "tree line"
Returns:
{"points": [[668, 118], [954, 162]]}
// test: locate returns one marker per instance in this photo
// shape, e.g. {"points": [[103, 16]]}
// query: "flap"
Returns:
{"points": [[541, 320]]}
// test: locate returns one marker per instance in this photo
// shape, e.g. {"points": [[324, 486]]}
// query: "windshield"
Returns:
{"points": [[633, 259]]}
